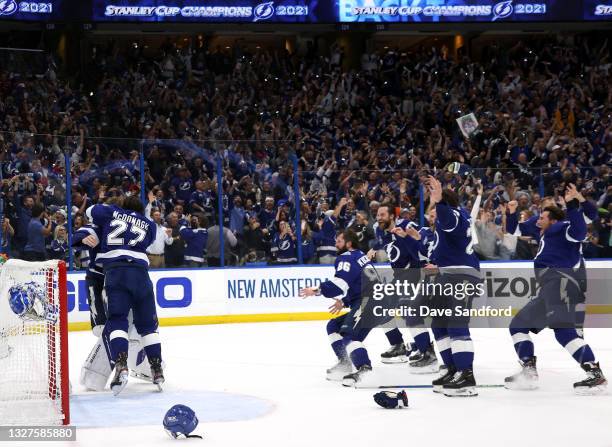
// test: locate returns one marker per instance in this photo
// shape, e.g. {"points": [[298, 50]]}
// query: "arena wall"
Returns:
{"points": [[239, 295]]}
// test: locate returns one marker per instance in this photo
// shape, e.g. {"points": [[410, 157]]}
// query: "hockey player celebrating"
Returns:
{"points": [[403, 252], [345, 289], [126, 234], [558, 272], [530, 228], [457, 263], [399, 352]]}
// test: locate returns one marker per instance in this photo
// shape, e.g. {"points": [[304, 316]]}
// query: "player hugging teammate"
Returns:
{"points": [[120, 294]]}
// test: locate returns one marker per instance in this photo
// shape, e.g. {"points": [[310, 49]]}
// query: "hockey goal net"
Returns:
{"points": [[34, 384]]}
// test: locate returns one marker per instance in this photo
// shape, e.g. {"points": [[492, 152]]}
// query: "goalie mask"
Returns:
{"points": [[29, 303]]}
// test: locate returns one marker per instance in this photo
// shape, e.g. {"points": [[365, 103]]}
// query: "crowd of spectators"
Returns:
{"points": [[362, 136]]}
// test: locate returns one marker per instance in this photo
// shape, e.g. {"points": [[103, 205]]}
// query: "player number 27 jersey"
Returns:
{"points": [[125, 234]]}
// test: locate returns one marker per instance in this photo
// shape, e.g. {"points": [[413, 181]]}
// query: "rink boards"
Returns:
{"points": [[237, 295]]}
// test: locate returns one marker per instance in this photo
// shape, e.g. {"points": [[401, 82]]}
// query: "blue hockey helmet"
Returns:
{"points": [[180, 420]]}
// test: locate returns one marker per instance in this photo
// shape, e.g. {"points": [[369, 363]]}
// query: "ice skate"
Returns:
{"points": [[358, 376], [120, 378], [446, 376], [157, 373], [424, 362], [339, 370], [526, 378], [595, 383], [462, 384], [395, 354]]}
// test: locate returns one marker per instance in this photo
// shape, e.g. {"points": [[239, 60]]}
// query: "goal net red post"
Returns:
{"points": [[34, 381]]}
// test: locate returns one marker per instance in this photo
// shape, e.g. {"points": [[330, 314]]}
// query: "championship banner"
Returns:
{"points": [[423, 11], [290, 11]]}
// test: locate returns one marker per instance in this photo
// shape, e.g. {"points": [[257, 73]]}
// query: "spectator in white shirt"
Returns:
{"points": [[163, 237]]}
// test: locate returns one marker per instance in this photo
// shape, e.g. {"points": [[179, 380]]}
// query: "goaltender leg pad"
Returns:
{"points": [[138, 363], [95, 299], [96, 369]]}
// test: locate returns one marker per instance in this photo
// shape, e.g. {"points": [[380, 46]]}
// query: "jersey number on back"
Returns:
{"points": [[119, 227]]}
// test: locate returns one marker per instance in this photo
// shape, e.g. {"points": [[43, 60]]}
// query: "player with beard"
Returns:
{"points": [[345, 288], [404, 251]]}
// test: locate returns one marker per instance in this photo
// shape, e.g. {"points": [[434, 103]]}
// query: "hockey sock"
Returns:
{"points": [[444, 346], [358, 354], [336, 340], [421, 338], [522, 343], [151, 345], [338, 344], [394, 336], [575, 345], [117, 337], [463, 352]]}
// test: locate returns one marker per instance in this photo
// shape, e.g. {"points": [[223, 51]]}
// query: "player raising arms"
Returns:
{"points": [[126, 234], [345, 289], [558, 268], [457, 263]]}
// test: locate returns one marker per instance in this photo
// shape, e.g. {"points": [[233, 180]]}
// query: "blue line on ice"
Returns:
{"points": [[104, 410]]}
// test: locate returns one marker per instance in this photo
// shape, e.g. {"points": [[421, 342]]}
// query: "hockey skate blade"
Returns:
{"points": [[429, 369], [337, 376], [394, 360], [140, 376], [594, 391], [525, 386], [464, 392]]}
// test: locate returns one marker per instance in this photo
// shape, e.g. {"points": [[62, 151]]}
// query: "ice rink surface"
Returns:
{"points": [[263, 384]]}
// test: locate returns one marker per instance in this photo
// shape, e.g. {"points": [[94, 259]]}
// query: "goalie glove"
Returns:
{"points": [[389, 399]]}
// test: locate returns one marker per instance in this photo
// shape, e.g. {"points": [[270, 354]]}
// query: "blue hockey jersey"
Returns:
{"points": [[426, 245], [530, 227], [203, 199], [403, 252], [560, 245], [453, 246], [284, 248], [346, 283], [382, 237], [125, 234], [195, 243], [93, 268], [326, 238]]}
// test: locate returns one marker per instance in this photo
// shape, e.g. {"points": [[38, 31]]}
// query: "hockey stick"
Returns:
{"points": [[431, 386]]}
